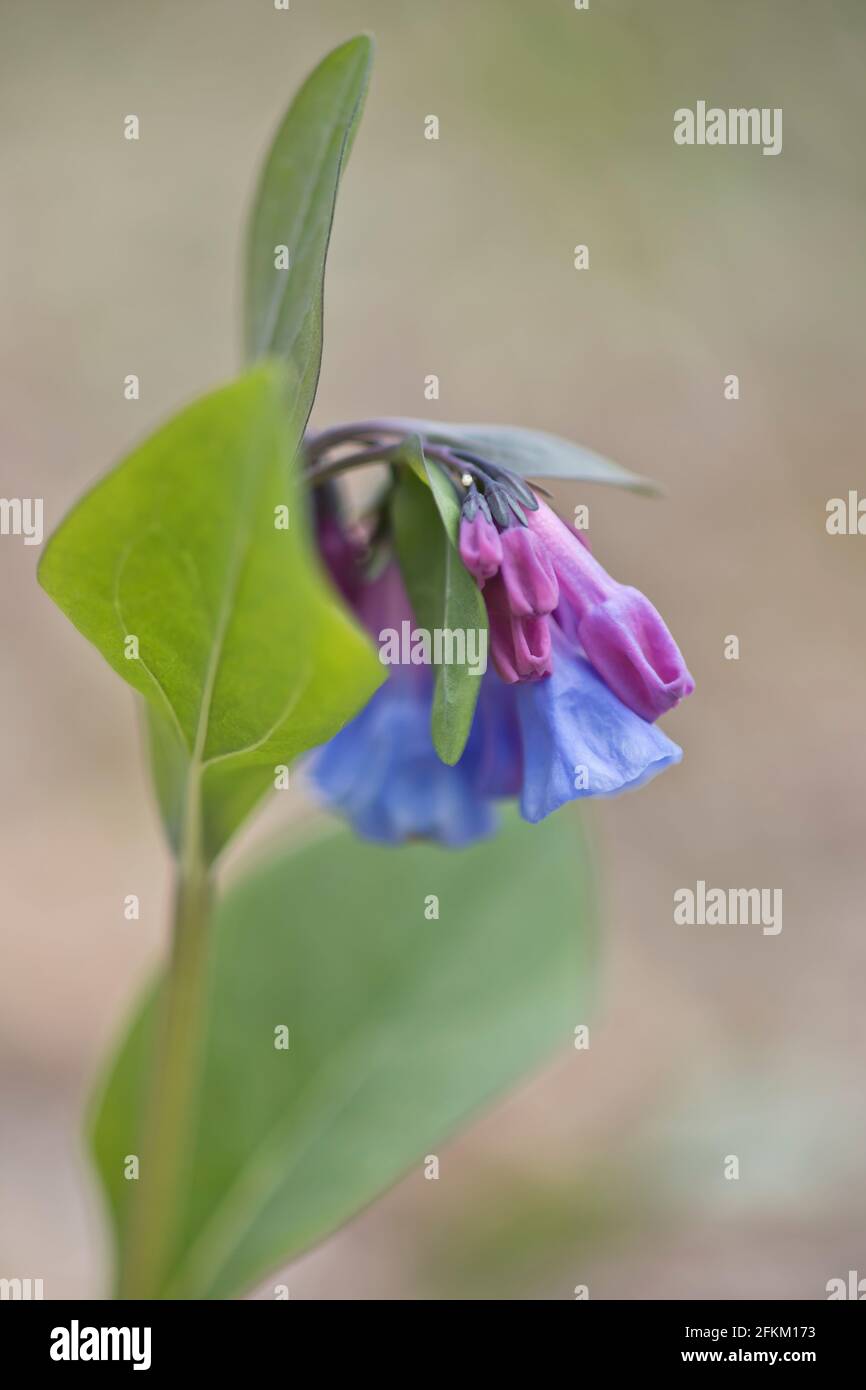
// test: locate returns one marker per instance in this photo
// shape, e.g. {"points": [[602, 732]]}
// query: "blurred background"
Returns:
{"points": [[456, 258]]}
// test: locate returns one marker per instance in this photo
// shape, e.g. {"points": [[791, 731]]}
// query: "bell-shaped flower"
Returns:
{"points": [[383, 774], [480, 545], [519, 645], [581, 668], [622, 634], [579, 739], [527, 574]]}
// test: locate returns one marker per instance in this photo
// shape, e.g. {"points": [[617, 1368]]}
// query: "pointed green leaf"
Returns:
{"points": [[443, 594], [531, 453], [177, 567], [399, 1027], [294, 208]]}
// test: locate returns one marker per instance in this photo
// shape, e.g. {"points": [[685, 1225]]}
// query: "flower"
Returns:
{"points": [[382, 773], [623, 635], [520, 643], [480, 546], [579, 739], [582, 667], [528, 575]]}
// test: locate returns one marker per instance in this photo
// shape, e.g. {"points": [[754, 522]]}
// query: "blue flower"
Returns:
{"points": [[547, 742], [564, 712], [579, 739], [383, 774]]}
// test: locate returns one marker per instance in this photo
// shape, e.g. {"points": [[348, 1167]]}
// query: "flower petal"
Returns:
{"points": [[624, 636], [382, 773], [493, 757], [520, 646], [528, 574], [480, 547], [580, 740], [628, 643]]}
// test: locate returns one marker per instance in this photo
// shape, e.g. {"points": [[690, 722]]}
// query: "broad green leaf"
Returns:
{"points": [[294, 208], [531, 453], [444, 596], [399, 1028], [244, 656]]}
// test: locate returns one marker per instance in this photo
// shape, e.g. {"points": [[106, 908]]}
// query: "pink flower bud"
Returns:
{"points": [[480, 547], [623, 635], [520, 646], [528, 574]]}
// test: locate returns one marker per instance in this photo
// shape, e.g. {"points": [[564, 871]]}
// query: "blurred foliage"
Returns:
{"points": [[405, 1013]]}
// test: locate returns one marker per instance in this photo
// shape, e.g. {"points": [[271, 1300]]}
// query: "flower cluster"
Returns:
{"points": [[582, 667]]}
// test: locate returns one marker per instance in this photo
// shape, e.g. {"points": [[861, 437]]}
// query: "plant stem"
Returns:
{"points": [[369, 431], [156, 1207]]}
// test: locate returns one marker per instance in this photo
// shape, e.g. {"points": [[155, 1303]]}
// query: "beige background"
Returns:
{"points": [[456, 258]]}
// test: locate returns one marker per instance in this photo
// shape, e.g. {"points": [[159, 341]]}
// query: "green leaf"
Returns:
{"points": [[444, 596], [294, 207], [531, 453], [244, 656], [399, 1028]]}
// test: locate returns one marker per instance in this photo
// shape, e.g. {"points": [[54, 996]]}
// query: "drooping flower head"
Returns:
{"points": [[582, 666]]}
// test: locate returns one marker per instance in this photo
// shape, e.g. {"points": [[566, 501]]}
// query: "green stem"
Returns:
{"points": [[166, 1148]]}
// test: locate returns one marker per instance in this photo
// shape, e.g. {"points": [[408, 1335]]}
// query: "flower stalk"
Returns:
{"points": [[157, 1203]]}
